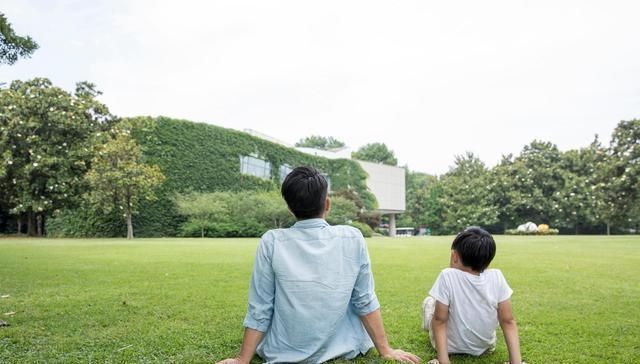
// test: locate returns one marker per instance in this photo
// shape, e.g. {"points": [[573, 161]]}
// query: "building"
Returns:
{"points": [[387, 183]]}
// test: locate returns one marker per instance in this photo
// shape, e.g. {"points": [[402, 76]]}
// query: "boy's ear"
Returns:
{"points": [[455, 258]]}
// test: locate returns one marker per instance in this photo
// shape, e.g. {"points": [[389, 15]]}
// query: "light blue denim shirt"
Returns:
{"points": [[310, 284]]}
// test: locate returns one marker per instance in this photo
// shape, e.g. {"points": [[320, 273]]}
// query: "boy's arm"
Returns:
{"points": [[372, 322], [439, 327], [510, 330], [249, 344]]}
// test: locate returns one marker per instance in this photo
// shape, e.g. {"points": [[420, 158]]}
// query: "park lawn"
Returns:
{"points": [[577, 299]]}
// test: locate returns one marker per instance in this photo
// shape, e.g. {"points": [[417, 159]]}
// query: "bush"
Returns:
{"points": [[343, 211], [365, 229], [547, 231]]}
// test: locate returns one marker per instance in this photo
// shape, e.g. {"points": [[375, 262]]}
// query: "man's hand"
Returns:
{"points": [[230, 361], [402, 356]]}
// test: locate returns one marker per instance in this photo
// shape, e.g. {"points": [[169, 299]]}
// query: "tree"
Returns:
{"points": [[271, 210], [466, 197], [119, 178], [524, 187], [13, 46], [46, 138], [577, 203], [424, 206], [204, 210], [343, 211], [619, 176], [377, 153], [320, 142]]}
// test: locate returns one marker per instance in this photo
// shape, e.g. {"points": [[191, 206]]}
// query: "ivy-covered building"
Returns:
{"points": [[386, 183]]}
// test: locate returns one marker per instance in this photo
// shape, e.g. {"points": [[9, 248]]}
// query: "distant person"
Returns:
{"points": [[468, 301], [311, 295]]}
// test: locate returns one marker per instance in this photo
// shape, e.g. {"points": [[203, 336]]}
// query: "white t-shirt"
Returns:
{"points": [[473, 307]]}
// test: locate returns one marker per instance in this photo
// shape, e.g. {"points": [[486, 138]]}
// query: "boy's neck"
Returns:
{"points": [[465, 269]]}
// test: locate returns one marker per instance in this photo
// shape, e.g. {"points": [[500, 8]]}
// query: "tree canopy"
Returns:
{"points": [[46, 139], [377, 153], [119, 177], [13, 46], [320, 142]]}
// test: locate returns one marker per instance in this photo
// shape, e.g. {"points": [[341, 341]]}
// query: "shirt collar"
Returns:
{"points": [[310, 223]]}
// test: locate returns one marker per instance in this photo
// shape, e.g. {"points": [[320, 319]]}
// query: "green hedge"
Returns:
{"points": [[518, 232], [199, 157]]}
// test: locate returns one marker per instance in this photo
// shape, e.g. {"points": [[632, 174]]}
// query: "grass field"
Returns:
{"points": [[577, 299]]}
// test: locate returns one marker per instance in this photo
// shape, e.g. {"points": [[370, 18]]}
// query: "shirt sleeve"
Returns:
{"points": [[363, 297], [504, 292], [441, 290], [261, 289]]}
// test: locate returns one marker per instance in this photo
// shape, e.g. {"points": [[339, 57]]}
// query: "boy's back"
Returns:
{"points": [[473, 304]]}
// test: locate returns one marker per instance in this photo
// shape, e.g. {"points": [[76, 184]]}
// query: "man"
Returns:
{"points": [[311, 296]]}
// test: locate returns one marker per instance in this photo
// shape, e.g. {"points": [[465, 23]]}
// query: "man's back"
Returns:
{"points": [[313, 281]]}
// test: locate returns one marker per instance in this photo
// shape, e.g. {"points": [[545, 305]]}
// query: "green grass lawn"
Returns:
{"points": [[577, 299]]}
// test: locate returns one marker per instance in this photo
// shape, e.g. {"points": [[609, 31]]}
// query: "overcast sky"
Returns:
{"points": [[429, 79]]}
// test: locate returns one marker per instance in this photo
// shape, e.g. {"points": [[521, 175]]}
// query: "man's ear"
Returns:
{"points": [[327, 206]]}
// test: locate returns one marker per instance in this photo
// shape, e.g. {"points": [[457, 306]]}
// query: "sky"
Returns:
{"points": [[431, 80]]}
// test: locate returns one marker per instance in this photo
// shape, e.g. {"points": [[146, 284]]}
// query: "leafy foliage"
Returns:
{"points": [[424, 202], [377, 153], [46, 139], [232, 214], [365, 229], [119, 178], [204, 211], [197, 157], [320, 142], [466, 197], [343, 211], [13, 46]]}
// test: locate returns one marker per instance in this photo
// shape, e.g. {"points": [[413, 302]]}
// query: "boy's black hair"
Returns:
{"points": [[476, 248], [305, 191]]}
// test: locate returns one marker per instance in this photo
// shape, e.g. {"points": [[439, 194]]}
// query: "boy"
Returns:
{"points": [[468, 301], [311, 295]]}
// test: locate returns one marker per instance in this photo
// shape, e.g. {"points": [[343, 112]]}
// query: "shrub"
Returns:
{"points": [[365, 229], [343, 211], [547, 231]]}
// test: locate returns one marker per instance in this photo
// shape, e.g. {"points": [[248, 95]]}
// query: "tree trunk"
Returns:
{"points": [[19, 221], [39, 224], [608, 228], [129, 225], [31, 222], [202, 232]]}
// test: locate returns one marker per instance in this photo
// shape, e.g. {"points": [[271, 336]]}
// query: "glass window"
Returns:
{"points": [[285, 169], [255, 167]]}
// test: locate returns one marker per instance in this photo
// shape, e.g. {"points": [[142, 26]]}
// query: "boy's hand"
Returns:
{"points": [[508, 362]]}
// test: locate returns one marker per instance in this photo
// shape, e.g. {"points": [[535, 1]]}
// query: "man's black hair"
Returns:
{"points": [[305, 191], [476, 248]]}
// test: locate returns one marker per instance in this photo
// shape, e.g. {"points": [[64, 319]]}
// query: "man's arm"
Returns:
{"points": [[260, 310], [510, 330], [439, 328], [373, 324], [249, 344]]}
